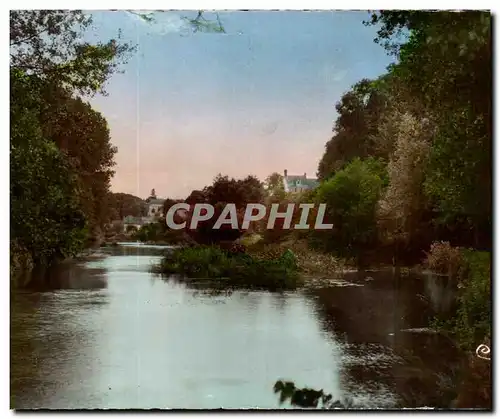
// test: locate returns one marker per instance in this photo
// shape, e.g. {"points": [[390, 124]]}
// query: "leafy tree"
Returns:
{"points": [[359, 111], [351, 196], [46, 216], [150, 232], [445, 64], [238, 192], [274, 186], [224, 190], [196, 197], [83, 135], [123, 204], [49, 44], [61, 157], [403, 204]]}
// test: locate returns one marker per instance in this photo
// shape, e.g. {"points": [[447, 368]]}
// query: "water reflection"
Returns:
{"points": [[387, 348], [106, 333], [142, 342]]}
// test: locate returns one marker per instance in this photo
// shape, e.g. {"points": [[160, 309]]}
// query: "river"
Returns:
{"points": [[105, 333]]}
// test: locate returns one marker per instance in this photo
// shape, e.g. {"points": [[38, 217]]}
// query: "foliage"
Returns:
{"points": [[46, 218], [351, 196], [150, 232], [403, 203], [445, 64], [239, 192], [444, 259], [231, 269], [359, 111], [471, 324], [123, 204], [307, 397], [49, 44], [61, 156], [224, 190], [274, 186], [83, 135]]}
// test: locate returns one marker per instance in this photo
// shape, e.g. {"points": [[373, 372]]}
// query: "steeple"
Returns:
{"points": [[153, 194]]}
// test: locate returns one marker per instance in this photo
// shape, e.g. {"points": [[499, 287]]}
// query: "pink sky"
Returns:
{"points": [[257, 100]]}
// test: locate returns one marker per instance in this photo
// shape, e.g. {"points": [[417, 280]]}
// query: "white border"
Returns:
{"points": [[179, 5], [249, 5]]}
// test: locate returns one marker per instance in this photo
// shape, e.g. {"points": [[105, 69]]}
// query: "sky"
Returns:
{"points": [[256, 100]]}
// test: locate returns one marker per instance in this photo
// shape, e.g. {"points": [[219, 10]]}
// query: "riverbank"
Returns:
{"points": [[225, 350]]}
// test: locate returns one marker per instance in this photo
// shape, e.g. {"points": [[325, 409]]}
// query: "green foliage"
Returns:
{"points": [[61, 156], [360, 111], [239, 192], [275, 187], [445, 65], [471, 324], [307, 397], [351, 197], [459, 174], [150, 232], [49, 44], [444, 259], [122, 205], [224, 190], [231, 269], [83, 135], [46, 218]]}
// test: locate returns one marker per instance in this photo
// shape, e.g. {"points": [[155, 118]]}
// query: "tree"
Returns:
{"points": [[83, 135], [49, 44], [224, 190], [60, 163], [401, 208], [122, 205], [360, 110], [445, 64], [351, 196], [46, 218], [274, 185]]}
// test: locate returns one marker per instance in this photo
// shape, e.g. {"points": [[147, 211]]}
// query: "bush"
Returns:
{"points": [[351, 197], [471, 323], [307, 397], [233, 269], [444, 259]]}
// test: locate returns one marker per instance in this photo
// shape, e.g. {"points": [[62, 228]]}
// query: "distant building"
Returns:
{"points": [[155, 205], [132, 222], [154, 212], [298, 183]]}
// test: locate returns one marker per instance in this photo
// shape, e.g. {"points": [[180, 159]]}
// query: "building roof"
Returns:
{"points": [[293, 181], [155, 201], [129, 219]]}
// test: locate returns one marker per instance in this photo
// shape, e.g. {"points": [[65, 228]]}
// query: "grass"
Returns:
{"points": [[238, 270]]}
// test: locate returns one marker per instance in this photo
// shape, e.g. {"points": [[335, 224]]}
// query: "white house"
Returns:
{"points": [[154, 211], [298, 183], [155, 205]]}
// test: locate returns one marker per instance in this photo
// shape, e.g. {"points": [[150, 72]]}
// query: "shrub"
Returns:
{"points": [[234, 269], [403, 203], [444, 259], [308, 397], [351, 197], [473, 320], [471, 323]]}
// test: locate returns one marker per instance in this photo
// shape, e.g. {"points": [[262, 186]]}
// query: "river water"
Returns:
{"points": [[105, 333]]}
